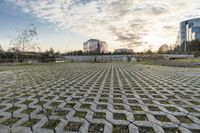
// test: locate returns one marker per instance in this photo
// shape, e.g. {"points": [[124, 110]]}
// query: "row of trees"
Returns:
{"points": [[23, 48], [17, 56], [188, 47]]}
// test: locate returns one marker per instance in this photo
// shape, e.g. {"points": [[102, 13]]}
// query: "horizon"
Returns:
{"points": [[66, 24]]}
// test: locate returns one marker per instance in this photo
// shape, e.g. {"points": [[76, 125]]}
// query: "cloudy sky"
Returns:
{"points": [[66, 24]]}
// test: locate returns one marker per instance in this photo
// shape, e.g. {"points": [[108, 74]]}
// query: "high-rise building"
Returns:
{"points": [[94, 45], [189, 31]]}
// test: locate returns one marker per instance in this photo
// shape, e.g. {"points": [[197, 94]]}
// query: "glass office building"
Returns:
{"points": [[189, 30]]}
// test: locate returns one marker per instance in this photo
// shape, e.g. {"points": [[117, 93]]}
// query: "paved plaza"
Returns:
{"points": [[99, 98]]}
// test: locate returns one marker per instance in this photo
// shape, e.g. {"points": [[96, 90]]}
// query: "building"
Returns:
{"points": [[94, 45], [124, 50], [189, 31]]}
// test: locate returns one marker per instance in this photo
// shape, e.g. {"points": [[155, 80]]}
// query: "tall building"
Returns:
{"points": [[189, 31], [94, 45]]}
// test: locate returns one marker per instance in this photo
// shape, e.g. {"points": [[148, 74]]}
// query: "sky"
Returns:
{"points": [[65, 24]]}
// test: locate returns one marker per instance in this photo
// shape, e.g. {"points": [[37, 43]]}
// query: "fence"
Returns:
{"points": [[99, 58]]}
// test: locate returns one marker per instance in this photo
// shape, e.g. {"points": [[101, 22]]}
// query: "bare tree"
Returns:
{"points": [[26, 39], [1, 49]]}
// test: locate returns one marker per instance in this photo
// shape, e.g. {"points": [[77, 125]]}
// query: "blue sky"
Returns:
{"points": [[13, 18], [66, 24]]}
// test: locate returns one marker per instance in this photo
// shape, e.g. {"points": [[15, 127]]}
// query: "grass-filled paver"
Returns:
{"points": [[171, 130], [119, 116], [52, 124], [96, 128], [162, 118], [140, 117], [120, 129], [12, 109], [101, 97], [99, 115], [11, 121], [30, 122], [146, 130], [29, 110], [73, 126], [80, 114]]}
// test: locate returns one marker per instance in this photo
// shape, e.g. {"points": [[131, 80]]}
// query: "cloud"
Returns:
{"points": [[152, 8], [135, 23]]}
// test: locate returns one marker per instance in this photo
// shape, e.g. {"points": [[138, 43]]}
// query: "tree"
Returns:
{"points": [[48, 55], [149, 52], [193, 46], [26, 40], [1, 49], [163, 49]]}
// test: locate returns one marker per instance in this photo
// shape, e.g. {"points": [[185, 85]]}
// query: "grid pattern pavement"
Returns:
{"points": [[100, 98]]}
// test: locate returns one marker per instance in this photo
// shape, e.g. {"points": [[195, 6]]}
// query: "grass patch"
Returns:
{"points": [[12, 109], [195, 102], [105, 95], [120, 129], [146, 130], [148, 101], [136, 108], [31, 122], [62, 98], [143, 96], [117, 100], [171, 130], [52, 124], [190, 109], [96, 128], [49, 97], [172, 109], [132, 101], [72, 126], [119, 116], [27, 102], [55, 104], [28, 111], [195, 131], [1, 107], [164, 102], [70, 105], [103, 100], [162, 118], [46, 112], [61, 112], [118, 107], [184, 119], [85, 106], [140, 117], [153, 108], [99, 115], [80, 114], [101, 106], [76, 99], [89, 99], [11, 121], [41, 103]]}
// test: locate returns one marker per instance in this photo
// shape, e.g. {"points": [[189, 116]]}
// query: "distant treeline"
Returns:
{"points": [[13, 55], [192, 47], [17, 56]]}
